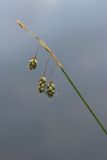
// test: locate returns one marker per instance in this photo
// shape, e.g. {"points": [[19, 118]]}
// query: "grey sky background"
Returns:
{"points": [[31, 126]]}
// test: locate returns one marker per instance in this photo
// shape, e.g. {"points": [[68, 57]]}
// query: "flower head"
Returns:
{"points": [[50, 89], [32, 63], [42, 84]]}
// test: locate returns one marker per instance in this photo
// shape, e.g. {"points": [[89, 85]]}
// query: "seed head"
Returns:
{"points": [[50, 89], [32, 63], [42, 84]]}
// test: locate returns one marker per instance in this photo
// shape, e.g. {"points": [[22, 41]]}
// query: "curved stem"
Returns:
{"points": [[46, 65], [37, 51], [42, 43], [52, 70]]}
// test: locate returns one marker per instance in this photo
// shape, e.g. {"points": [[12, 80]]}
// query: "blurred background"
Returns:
{"points": [[32, 126]]}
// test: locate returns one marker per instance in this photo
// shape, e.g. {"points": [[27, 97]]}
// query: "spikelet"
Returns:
{"points": [[42, 84], [50, 89], [32, 63]]}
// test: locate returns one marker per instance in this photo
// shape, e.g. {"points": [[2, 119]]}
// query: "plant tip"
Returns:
{"points": [[20, 24]]}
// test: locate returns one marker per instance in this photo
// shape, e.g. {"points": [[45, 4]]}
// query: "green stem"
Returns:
{"points": [[42, 43], [84, 101]]}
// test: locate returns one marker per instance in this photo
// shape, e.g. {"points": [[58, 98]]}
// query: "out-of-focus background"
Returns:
{"points": [[32, 126]]}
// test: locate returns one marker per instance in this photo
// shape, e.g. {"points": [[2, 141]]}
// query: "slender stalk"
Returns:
{"points": [[37, 51], [52, 70], [46, 65], [84, 101], [42, 43]]}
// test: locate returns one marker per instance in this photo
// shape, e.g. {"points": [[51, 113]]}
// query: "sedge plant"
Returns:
{"points": [[42, 81]]}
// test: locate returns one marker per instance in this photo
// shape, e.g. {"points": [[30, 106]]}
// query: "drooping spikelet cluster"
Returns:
{"points": [[43, 86], [48, 89]]}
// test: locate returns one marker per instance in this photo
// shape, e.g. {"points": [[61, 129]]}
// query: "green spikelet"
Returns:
{"points": [[50, 89], [42, 84], [32, 63]]}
